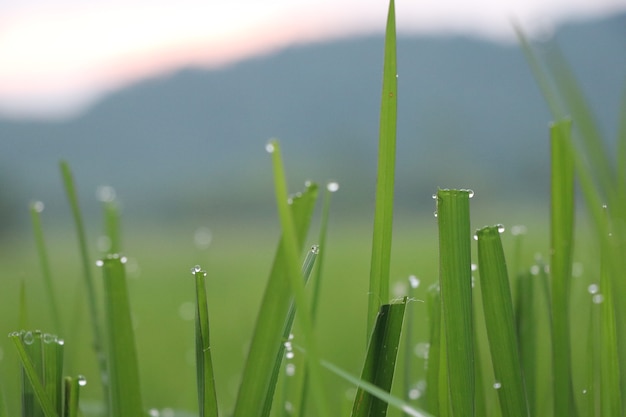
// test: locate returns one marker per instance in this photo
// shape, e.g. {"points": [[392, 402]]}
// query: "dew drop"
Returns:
{"points": [[28, 338], [584, 391], [315, 249], [38, 206], [288, 407], [49, 338], [414, 393], [597, 298], [82, 381], [196, 269], [308, 184], [105, 194], [290, 369], [475, 236], [593, 289], [287, 345], [333, 187], [123, 259], [435, 214], [434, 196], [290, 336], [60, 342], [202, 237], [470, 193], [270, 148], [497, 385], [421, 350], [153, 412], [535, 269], [414, 281], [501, 228], [100, 263], [289, 355], [473, 267]]}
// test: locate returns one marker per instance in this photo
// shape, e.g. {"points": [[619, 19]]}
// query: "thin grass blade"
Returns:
{"points": [[125, 392], [500, 322], [434, 350], [380, 362], [561, 247], [205, 380], [268, 333], [526, 319], [383, 217], [455, 280], [32, 375], [52, 352], [35, 212], [295, 280]]}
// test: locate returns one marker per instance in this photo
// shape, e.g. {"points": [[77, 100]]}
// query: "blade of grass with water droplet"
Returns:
{"points": [[205, 380], [268, 331], [51, 299], [455, 280], [32, 375], [72, 197], [52, 353], [296, 283], [561, 247], [383, 216], [71, 397], [380, 361], [500, 323], [125, 393]]}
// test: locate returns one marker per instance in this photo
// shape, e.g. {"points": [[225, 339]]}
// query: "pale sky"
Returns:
{"points": [[57, 56]]}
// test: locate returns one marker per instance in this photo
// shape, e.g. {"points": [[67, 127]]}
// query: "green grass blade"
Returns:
{"points": [[611, 397], [32, 374], [268, 332], [72, 388], [500, 322], [72, 197], [307, 267], [380, 361], [112, 228], [455, 280], [35, 213], [207, 396], [526, 319], [125, 393], [561, 242], [376, 391], [295, 281], [434, 350], [383, 217], [52, 352]]}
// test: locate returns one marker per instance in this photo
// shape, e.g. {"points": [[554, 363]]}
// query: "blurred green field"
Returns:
{"points": [[238, 262]]}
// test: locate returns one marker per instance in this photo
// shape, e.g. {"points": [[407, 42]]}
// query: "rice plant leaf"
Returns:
{"points": [[561, 247], [98, 335], [32, 374], [295, 280], [380, 362], [307, 267], [455, 280], [376, 391], [267, 338], [383, 217], [35, 213], [434, 351], [611, 396], [500, 323], [207, 396], [125, 392]]}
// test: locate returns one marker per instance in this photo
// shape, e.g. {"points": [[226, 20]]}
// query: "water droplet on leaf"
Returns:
{"points": [[333, 187]]}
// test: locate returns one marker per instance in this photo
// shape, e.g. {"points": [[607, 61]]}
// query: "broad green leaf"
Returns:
{"points": [[500, 322], [380, 362], [455, 280], [125, 392]]}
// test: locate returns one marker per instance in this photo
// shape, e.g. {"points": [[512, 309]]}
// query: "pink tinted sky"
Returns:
{"points": [[57, 56]]}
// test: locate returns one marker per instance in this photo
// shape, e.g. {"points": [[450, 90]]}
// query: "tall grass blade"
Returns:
{"points": [[383, 217], [561, 247], [500, 323], [295, 280], [307, 267], [455, 280], [32, 375], [434, 350], [125, 393], [268, 332], [611, 396], [380, 361], [72, 395], [35, 212], [52, 352], [207, 396], [72, 197], [526, 320]]}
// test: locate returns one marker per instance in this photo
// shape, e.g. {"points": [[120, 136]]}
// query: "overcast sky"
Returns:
{"points": [[58, 55]]}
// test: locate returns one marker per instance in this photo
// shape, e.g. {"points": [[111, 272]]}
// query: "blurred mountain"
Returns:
{"points": [[191, 143]]}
